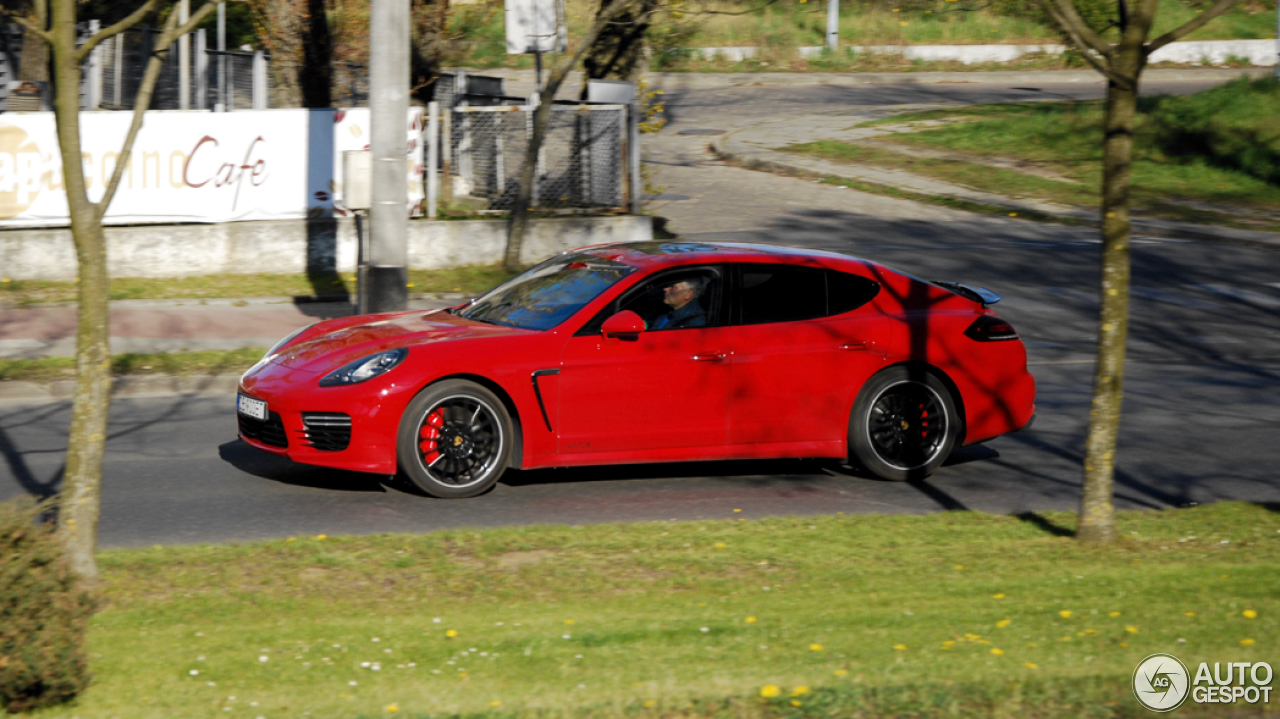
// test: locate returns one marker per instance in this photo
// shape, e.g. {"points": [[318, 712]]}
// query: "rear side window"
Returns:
{"points": [[788, 293]]}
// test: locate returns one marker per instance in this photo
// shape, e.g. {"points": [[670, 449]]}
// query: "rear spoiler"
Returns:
{"points": [[981, 295]]}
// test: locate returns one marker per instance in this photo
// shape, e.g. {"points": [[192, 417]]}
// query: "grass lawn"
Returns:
{"points": [[1208, 157], [203, 362], [954, 614], [777, 29], [466, 279]]}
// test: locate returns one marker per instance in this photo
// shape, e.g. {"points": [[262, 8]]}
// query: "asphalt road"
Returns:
{"points": [[1202, 386]]}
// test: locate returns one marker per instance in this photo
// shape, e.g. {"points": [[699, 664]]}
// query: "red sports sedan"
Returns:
{"points": [[650, 352]]}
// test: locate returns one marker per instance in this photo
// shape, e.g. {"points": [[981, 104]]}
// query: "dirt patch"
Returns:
{"points": [[1004, 163], [523, 559]]}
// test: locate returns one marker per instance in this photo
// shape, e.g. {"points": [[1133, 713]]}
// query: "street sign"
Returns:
{"points": [[535, 26]]}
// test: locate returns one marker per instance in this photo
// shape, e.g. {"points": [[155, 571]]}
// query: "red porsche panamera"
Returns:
{"points": [[649, 352]]}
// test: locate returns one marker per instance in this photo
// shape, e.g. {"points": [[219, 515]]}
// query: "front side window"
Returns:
{"points": [[549, 293], [687, 298]]}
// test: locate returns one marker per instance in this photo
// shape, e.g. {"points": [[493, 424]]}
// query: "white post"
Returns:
{"points": [[119, 68], [222, 104], [259, 80], [184, 58], [833, 24], [93, 84], [433, 157], [202, 70]]}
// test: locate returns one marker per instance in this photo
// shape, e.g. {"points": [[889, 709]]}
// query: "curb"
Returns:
{"points": [[1163, 228], [140, 386]]}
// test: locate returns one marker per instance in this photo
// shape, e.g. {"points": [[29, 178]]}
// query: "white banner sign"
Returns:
{"points": [[194, 166]]}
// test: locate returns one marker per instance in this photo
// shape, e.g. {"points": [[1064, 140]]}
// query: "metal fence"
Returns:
{"points": [[350, 84], [583, 162]]}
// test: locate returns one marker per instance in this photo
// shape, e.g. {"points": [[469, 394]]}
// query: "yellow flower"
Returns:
{"points": [[409, 285], [751, 620], [495, 703], [959, 566], [971, 636], [1250, 614], [796, 703], [721, 545], [737, 511], [949, 643], [998, 596], [842, 672], [799, 691], [900, 647], [902, 23], [1091, 631], [568, 621], [768, 691], [393, 708], [1114, 614], [463, 675], [815, 647], [322, 536], [451, 633], [1131, 629], [1246, 642], [1124, 644], [291, 539], [1190, 614], [1065, 613], [1030, 665], [1013, 214], [997, 651], [1003, 623], [651, 703]]}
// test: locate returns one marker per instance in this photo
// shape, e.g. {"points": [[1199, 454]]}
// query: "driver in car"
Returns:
{"points": [[682, 297]]}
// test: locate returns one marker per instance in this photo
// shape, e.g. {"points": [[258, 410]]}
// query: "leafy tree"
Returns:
{"points": [[1121, 62], [54, 23]]}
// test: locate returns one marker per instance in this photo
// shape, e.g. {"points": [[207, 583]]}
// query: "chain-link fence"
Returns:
{"points": [[350, 84], [582, 163]]}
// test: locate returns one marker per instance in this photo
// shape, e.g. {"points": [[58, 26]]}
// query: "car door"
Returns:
{"points": [[802, 347], [666, 388]]}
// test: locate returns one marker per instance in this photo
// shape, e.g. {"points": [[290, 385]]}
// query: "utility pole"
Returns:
{"points": [[388, 109], [833, 24]]}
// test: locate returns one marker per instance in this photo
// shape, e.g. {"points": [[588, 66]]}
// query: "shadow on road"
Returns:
{"points": [[278, 469], [757, 472]]}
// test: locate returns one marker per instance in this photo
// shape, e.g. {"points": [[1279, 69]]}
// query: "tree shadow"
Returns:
{"points": [[752, 471], [1043, 523]]}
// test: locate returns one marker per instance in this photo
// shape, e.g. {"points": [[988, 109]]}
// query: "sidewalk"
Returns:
{"points": [[758, 146]]}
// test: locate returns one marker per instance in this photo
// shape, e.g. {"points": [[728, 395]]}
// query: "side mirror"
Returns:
{"points": [[624, 325]]}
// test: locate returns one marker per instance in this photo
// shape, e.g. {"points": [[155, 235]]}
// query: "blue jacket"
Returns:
{"points": [[691, 315]]}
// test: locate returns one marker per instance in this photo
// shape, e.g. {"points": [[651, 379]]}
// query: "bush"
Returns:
{"points": [[43, 613]]}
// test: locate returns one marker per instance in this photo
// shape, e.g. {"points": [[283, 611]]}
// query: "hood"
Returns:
{"points": [[384, 332]]}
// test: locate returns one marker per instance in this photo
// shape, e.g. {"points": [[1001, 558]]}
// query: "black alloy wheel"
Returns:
{"points": [[904, 424], [455, 439]]}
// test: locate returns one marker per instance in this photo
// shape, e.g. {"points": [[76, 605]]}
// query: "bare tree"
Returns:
{"points": [[1121, 63], [541, 118], [54, 23]]}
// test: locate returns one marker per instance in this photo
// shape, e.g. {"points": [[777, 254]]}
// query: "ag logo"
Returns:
{"points": [[21, 170], [1160, 682]]}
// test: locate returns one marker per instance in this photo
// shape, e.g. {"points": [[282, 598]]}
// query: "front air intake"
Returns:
{"points": [[326, 431]]}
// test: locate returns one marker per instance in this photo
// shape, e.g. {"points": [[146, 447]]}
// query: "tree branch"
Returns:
{"points": [[31, 26], [1180, 32], [132, 19], [140, 104], [1083, 36]]}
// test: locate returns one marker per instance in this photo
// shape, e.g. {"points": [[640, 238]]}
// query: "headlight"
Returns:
{"points": [[364, 369]]}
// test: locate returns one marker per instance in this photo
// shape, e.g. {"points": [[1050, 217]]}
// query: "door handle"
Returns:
{"points": [[856, 345], [715, 357]]}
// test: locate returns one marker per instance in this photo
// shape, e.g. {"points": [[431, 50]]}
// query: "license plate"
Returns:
{"points": [[251, 407]]}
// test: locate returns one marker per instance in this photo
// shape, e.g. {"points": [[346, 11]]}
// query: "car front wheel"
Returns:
{"points": [[455, 439], [904, 424]]}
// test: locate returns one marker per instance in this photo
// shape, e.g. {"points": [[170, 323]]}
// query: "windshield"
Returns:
{"points": [[548, 294]]}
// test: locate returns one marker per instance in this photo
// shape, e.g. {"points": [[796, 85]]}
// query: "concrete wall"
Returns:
{"points": [[1262, 53], [293, 246]]}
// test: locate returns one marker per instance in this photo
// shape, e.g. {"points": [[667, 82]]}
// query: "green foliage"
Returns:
{"points": [[43, 614]]}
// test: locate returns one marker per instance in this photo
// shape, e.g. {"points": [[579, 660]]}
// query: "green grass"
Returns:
{"points": [[777, 29], [1209, 157], [874, 615], [466, 279], [180, 364]]}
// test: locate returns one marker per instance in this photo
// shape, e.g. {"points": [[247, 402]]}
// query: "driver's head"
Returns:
{"points": [[680, 293]]}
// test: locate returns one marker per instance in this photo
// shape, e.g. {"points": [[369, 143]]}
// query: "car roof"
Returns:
{"points": [[667, 253]]}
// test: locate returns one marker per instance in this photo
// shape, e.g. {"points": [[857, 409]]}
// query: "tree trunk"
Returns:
{"points": [[317, 57], [619, 52], [86, 443], [541, 118], [1097, 514]]}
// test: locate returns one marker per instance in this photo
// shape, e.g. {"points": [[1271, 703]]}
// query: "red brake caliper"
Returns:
{"points": [[430, 433], [924, 421]]}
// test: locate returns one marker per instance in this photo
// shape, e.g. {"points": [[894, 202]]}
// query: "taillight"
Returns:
{"points": [[991, 329]]}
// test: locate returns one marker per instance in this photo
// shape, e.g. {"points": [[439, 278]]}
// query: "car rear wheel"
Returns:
{"points": [[455, 439], [904, 424]]}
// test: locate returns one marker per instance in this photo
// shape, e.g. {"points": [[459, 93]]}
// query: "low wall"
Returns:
{"points": [[1262, 53], [293, 246]]}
